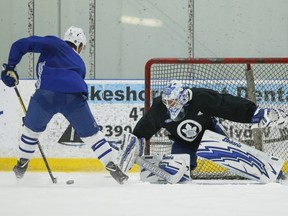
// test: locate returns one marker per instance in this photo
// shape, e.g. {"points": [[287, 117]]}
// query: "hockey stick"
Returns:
{"points": [[54, 179], [172, 179]]}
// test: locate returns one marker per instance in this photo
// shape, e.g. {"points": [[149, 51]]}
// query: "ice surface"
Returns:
{"points": [[98, 194]]}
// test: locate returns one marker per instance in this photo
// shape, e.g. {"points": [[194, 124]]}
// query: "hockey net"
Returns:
{"points": [[262, 80]]}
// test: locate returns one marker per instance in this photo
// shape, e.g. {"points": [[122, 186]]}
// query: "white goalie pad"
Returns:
{"points": [[175, 164], [239, 158], [128, 151]]}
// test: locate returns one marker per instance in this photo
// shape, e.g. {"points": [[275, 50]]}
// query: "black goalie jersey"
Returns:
{"points": [[199, 113]]}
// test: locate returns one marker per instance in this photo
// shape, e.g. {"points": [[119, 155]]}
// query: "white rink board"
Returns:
{"points": [[117, 106], [9, 118], [111, 105]]}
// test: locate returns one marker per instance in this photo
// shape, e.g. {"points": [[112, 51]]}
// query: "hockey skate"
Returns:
{"points": [[116, 172], [21, 167]]}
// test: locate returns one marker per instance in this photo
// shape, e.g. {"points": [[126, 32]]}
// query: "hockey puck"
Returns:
{"points": [[70, 182]]}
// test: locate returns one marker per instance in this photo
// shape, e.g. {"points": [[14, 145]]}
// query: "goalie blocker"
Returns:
{"points": [[239, 158]]}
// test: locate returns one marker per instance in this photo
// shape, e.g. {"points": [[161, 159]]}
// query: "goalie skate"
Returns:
{"points": [[116, 172], [283, 179]]}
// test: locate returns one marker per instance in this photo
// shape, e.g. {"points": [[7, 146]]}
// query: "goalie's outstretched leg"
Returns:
{"points": [[239, 158], [282, 178]]}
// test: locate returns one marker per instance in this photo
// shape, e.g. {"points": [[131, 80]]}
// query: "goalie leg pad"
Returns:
{"points": [[239, 158], [130, 148], [178, 148]]}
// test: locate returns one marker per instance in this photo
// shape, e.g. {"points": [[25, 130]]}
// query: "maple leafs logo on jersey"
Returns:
{"points": [[189, 129]]}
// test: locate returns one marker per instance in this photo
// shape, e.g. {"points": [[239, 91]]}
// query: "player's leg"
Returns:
{"points": [[35, 123], [79, 115]]}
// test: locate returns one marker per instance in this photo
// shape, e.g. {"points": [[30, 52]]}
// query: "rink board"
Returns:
{"points": [[117, 106], [89, 165]]}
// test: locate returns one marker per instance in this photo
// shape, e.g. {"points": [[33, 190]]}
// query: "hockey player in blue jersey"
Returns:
{"points": [[60, 88]]}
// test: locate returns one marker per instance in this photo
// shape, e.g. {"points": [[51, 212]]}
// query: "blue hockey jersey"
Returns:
{"points": [[59, 67]]}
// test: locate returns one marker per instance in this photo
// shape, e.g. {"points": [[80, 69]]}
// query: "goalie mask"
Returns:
{"points": [[76, 36], [175, 97]]}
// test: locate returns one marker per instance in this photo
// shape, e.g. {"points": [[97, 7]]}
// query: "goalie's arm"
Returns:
{"points": [[238, 109], [224, 106], [152, 121]]}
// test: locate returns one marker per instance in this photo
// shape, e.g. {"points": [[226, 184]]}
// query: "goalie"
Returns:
{"points": [[187, 112]]}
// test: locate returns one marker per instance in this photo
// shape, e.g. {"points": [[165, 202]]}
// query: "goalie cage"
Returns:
{"points": [[262, 80]]}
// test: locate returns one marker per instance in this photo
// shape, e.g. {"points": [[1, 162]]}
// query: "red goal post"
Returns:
{"points": [[262, 80]]}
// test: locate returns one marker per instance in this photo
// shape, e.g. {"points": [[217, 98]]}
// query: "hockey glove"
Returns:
{"points": [[9, 75], [268, 117]]}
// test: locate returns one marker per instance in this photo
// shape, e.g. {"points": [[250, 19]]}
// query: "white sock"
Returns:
{"points": [[101, 147]]}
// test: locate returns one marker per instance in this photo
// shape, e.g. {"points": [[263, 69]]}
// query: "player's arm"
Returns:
{"points": [[9, 74], [22, 46]]}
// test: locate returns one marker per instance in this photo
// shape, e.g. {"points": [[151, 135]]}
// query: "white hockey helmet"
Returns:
{"points": [[76, 36], [174, 97]]}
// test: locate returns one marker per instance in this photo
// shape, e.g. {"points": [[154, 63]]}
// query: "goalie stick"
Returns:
{"points": [[172, 179]]}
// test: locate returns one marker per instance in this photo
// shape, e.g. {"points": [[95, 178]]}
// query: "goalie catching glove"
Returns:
{"points": [[268, 117]]}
